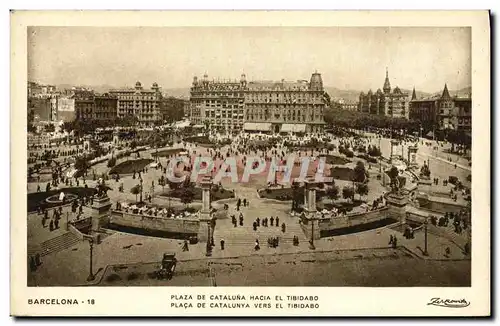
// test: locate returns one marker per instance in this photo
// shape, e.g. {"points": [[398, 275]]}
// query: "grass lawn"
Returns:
{"points": [[130, 166], [286, 193], [336, 160], [35, 198], [215, 195], [341, 173], [168, 152]]}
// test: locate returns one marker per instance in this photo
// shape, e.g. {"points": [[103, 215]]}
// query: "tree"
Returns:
{"points": [[296, 196], [333, 192], [50, 128], [111, 162], [359, 174], [187, 195], [81, 164], [347, 192], [135, 190], [362, 189], [31, 119]]}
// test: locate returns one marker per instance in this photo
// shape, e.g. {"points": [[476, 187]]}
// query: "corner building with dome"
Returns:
{"points": [[259, 106], [145, 104]]}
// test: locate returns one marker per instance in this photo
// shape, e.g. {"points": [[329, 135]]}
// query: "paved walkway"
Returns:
{"points": [[71, 266]]}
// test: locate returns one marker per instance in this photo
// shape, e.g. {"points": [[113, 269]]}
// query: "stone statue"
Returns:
{"points": [[102, 189], [395, 184]]}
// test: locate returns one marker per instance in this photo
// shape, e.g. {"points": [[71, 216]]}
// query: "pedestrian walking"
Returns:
{"points": [[257, 246], [277, 221]]}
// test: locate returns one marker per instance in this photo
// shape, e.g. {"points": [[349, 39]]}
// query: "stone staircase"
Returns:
{"points": [[54, 245]]}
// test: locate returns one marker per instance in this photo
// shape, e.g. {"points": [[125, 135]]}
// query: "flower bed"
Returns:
{"points": [[130, 166]]}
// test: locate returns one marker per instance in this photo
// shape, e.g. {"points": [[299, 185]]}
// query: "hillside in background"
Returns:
{"points": [[335, 93]]}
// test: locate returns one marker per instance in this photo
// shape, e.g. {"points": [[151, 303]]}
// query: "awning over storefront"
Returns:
{"points": [[253, 126], [291, 127]]}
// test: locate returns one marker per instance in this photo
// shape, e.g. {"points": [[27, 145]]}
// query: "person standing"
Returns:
{"points": [[257, 246], [258, 221], [277, 221], [272, 220], [222, 242]]}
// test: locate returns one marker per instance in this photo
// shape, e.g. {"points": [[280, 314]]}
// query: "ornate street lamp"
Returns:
{"points": [[426, 222], [91, 276]]}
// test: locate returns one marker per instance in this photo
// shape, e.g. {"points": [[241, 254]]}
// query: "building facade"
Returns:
{"points": [[442, 112], [84, 104], [262, 106], [348, 105], [66, 108], [393, 103], [145, 104], [105, 107], [36, 90]]}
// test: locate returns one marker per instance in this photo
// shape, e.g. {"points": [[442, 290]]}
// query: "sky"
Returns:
{"points": [[353, 58]]}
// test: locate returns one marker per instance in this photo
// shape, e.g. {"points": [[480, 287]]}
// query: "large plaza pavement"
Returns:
{"points": [[70, 266]]}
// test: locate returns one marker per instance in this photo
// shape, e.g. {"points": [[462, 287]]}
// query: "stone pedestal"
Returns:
{"points": [[205, 230], [412, 155], [396, 202], [100, 214], [310, 223]]}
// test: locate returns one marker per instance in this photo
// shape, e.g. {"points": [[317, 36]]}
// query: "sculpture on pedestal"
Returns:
{"points": [[102, 189], [394, 174]]}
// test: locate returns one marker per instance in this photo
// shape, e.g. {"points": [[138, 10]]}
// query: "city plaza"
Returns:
{"points": [[104, 239]]}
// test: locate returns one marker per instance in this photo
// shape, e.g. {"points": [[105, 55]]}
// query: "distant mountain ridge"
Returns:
{"points": [[334, 92]]}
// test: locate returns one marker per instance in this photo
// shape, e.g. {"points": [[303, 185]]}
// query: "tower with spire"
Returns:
{"points": [[387, 84], [446, 94], [413, 95]]}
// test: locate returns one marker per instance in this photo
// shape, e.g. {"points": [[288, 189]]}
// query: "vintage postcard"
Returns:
{"points": [[250, 163]]}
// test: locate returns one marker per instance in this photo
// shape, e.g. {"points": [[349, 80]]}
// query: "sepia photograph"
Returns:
{"points": [[250, 156]]}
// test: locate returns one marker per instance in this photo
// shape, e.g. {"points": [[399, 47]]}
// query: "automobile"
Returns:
{"points": [[168, 265]]}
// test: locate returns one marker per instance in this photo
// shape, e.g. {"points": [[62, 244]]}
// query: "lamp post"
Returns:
{"points": [[426, 222], [141, 190], [209, 241], [311, 243], [91, 276], [380, 149]]}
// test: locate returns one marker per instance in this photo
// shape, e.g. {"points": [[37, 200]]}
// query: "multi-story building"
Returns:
{"points": [[348, 105], [264, 106], [41, 108], [384, 102], [442, 112], [139, 102], [105, 107], [91, 106], [84, 104], [66, 108], [36, 90], [187, 109]]}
